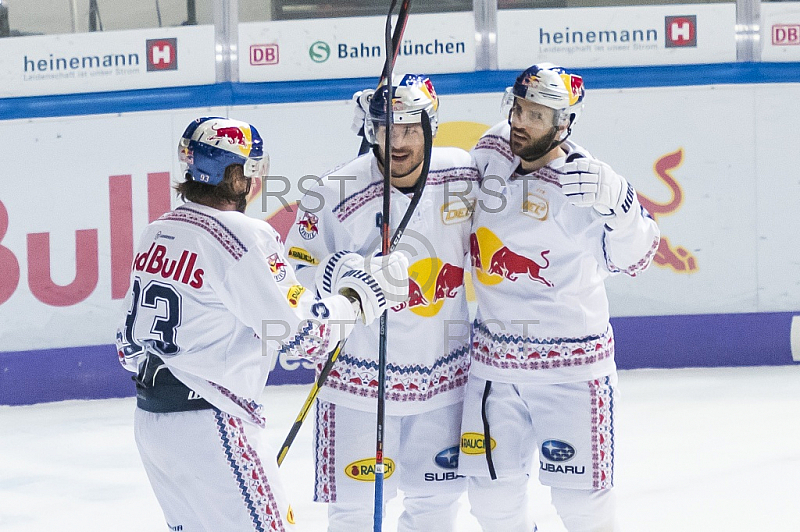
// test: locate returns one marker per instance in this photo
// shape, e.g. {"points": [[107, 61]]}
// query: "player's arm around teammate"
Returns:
{"points": [[212, 302]]}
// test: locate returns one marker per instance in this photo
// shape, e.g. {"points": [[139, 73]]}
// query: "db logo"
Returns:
{"points": [[786, 34], [264, 54], [680, 31], [162, 54]]}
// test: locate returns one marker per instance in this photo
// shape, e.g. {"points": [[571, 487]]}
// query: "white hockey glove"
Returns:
{"points": [[383, 283], [332, 268], [592, 183], [361, 100]]}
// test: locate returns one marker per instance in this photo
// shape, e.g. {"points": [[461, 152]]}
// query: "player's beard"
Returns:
{"points": [[398, 172], [533, 150]]}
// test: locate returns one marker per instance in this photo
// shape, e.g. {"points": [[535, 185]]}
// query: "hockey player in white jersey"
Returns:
{"points": [[427, 358], [213, 301], [552, 223]]}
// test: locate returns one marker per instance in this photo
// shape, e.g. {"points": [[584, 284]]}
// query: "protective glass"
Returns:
{"points": [[529, 114], [401, 133]]}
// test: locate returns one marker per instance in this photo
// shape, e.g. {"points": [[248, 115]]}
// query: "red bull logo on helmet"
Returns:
{"points": [[574, 85], [427, 87], [430, 283], [239, 137], [186, 155], [531, 80], [493, 261]]}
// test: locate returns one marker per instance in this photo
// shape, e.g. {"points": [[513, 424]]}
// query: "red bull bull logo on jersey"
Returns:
{"points": [[415, 296], [430, 283], [488, 251], [510, 265], [448, 281]]}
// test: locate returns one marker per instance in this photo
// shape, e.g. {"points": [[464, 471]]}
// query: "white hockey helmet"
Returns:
{"points": [[411, 94], [551, 86]]}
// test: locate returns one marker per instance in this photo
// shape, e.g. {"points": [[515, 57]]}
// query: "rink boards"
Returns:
{"points": [[713, 160]]}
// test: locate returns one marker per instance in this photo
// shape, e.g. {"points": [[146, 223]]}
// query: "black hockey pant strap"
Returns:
{"points": [[159, 391], [487, 438]]}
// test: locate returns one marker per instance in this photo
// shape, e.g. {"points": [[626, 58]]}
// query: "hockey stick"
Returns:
{"points": [[386, 79], [381, 417], [399, 29], [334, 355], [402, 20]]}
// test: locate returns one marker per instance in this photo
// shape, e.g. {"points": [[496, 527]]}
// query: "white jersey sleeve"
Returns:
{"points": [[317, 232], [213, 295], [283, 312], [631, 249]]}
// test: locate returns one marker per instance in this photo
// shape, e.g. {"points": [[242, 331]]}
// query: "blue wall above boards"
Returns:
{"points": [[229, 94]]}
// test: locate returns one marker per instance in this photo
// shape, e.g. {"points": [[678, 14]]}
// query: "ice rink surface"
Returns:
{"points": [[697, 450]]}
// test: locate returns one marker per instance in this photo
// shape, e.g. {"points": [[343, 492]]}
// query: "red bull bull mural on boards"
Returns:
{"points": [[676, 258]]}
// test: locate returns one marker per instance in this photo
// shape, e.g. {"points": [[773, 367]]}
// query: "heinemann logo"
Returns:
{"points": [[568, 36], [73, 64]]}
